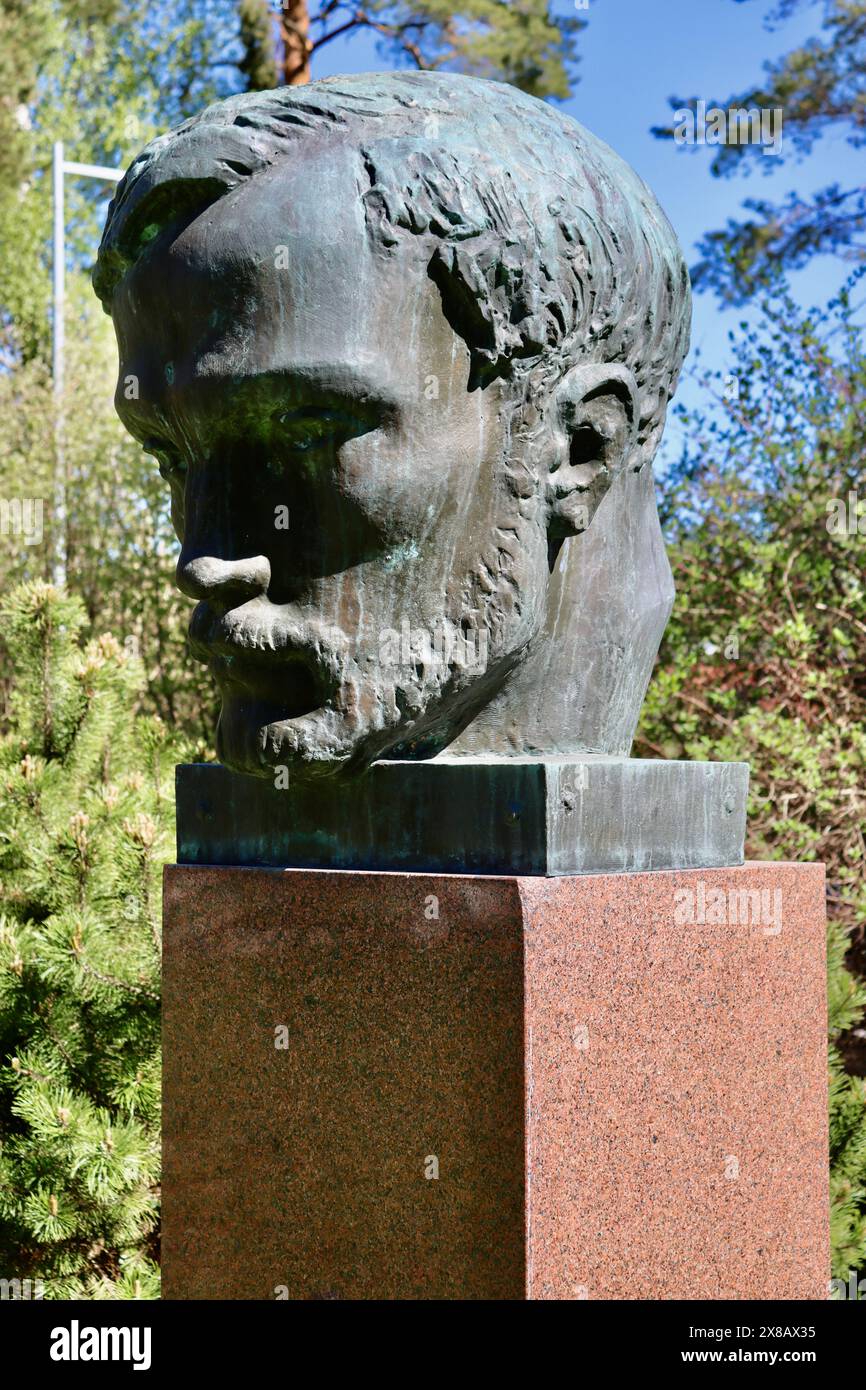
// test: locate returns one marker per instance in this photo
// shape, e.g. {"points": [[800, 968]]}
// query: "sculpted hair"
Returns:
{"points": [[546, 248]]}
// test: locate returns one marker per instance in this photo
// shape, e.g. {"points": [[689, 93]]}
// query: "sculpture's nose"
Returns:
{"points": [[224, 581]]}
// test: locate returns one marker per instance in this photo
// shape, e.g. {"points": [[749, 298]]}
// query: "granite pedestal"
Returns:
{"points": [[431, 1086]]}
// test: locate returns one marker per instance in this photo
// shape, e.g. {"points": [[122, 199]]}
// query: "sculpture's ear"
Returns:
{"points": [[594, 425]]}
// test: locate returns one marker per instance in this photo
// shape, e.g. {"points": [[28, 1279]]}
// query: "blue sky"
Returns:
{"points": [[635, 54]]}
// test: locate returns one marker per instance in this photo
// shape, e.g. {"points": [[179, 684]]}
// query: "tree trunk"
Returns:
{"points": [[295, 42]]}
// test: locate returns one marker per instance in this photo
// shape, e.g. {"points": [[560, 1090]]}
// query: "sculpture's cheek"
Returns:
{"points": [[178, 510]]}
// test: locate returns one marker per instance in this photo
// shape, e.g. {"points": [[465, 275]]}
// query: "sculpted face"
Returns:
{"points": [[366, 557]]}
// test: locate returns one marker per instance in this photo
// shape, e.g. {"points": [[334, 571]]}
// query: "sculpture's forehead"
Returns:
{"points": [[283, 268], [297, 228], [312, 196]]}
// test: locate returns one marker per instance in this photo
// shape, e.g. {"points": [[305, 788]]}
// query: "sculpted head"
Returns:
{"points": [[393, 340]]}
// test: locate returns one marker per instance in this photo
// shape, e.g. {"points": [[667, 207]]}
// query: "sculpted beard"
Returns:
{"points": [[392, 704]]}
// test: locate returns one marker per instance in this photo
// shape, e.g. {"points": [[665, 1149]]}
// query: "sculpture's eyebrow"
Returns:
{"points": [[295, 389], [314, 382], [144, 213]]}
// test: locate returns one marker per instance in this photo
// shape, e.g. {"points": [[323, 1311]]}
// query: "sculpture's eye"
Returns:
{"points": [[172, 465], [318, 428]]}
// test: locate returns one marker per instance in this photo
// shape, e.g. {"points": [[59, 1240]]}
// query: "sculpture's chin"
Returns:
{"points": [[250, 739]]}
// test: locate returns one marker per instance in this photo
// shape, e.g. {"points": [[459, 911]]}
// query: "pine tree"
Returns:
{"points": [[85, 813], [530, 43], [846, 996], [259, 64], [819, 87]]}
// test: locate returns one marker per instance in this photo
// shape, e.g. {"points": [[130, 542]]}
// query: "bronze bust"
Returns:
{"points": [[403, 346]]}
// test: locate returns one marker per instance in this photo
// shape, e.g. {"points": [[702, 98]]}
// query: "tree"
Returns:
{"points": [[104, 76], [819, 88], [764, 659], [846, 998], [86, 808], [518, 41], [119, 541], [259, 62], [24, 45]]}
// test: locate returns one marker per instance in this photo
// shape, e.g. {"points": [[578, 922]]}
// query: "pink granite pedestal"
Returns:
{"points": [[413, 1086]]}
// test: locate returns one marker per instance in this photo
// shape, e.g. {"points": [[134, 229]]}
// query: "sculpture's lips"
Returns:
{"points": [[256, 655], [288, 685], [257, 631]]}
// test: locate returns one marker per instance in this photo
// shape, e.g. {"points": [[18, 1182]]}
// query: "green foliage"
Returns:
{"points": [[119, 541], [519, 41], [821, 88], [847, 1170], [104, 77], [258, 64], [764, 659], [86, 810], [846, 998], [24, 28]]}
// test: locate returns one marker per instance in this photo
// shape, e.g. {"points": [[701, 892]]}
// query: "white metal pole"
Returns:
{"points": [[93, 171], [58, 327], [59, 167]]}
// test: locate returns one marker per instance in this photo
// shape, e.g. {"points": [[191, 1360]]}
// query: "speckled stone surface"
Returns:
{"points": [[620, 1102]]}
